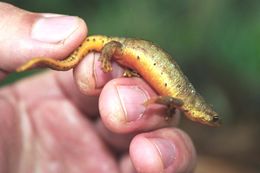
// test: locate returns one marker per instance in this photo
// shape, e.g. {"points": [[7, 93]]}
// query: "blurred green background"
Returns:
{"points": [[217, 44]]}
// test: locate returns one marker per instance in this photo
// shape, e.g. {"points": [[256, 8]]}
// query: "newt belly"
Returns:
{"points": [[156, 66]]}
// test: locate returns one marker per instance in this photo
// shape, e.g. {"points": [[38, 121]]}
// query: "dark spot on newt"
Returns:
{"points": [[87, 39], [138, 57], [94, 39], [154, 64], [103, 41], [165, 84], [178, 86]]}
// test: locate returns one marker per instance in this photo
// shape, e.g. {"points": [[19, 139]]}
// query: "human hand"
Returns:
{"points": [[48, 125]]}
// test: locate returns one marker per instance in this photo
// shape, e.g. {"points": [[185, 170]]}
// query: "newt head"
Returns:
{"points": [[198, 110], [205, 115], [211, 120]]}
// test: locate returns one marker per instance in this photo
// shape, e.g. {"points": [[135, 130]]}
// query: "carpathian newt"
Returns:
{"points": [[152, 63]]}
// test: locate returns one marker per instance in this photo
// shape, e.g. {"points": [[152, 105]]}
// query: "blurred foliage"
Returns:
{"points": [[216, 42]]}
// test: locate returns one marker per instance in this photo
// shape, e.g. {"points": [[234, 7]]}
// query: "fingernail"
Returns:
{"points": [[54, 28], [132, 99], [166, 150]]}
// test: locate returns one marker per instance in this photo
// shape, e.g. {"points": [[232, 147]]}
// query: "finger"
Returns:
{"points": [[26, 35], [166, 150], [122, 109], [89, 77]]}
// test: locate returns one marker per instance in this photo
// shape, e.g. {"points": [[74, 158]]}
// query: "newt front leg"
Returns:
{"points": [[171, 103]]}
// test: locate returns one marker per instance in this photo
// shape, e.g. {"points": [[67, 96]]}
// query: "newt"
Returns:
{"points": [[152, 63]]}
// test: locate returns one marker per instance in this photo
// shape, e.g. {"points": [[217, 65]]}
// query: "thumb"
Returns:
{"points": [[24, 35]]}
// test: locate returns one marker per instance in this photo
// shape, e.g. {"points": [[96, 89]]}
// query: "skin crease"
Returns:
{"points": [[60, 122]]}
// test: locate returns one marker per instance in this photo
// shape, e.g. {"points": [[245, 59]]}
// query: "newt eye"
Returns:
{"points": [[215, 118]]}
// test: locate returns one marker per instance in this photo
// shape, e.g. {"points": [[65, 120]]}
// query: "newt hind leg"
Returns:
{"points": [[171, 103], [130, 73]]}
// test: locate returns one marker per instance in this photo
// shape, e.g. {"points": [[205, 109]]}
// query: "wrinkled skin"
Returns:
{"points": [[80, 121]]}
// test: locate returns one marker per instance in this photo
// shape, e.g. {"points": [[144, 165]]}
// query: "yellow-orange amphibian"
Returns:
{"points": [[156, 66]]}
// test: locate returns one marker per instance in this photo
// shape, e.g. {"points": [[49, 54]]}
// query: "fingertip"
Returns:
{"points": [[84, 75], [165, 150], [56, 28], [120, 104], [89, 76], [110, 108], [145, 156]]}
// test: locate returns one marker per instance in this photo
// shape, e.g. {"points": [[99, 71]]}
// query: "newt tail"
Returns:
{"points": [[89, 44]]}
